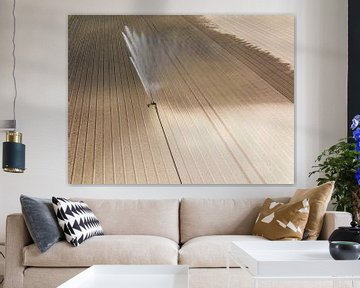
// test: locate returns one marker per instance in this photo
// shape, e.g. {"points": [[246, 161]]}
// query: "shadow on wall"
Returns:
{"points": [[154, 7]]}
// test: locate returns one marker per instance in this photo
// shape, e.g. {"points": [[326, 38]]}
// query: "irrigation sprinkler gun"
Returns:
{"points": [[151, 104], [145, 57]]}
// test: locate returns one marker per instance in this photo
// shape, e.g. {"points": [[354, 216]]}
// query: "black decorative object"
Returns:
{"points": [[344, 233], [344, 250]]}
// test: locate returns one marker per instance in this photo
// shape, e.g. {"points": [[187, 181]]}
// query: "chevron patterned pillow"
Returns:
{"points": [[77, 220]]}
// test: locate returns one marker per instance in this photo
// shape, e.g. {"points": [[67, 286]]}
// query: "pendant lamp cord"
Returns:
{"points": [[14, 61]]}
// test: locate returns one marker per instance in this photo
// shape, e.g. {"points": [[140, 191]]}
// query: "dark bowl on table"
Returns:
{"points": [[344, 250]]}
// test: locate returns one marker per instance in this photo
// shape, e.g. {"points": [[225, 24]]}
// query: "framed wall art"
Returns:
{"points": [[205, 99]]}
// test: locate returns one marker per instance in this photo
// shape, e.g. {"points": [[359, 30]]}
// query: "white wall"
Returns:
{"points": [[321, 64]]}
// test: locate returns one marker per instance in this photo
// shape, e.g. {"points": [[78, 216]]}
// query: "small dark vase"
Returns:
{"points": [[343, 250], [351, 234]]}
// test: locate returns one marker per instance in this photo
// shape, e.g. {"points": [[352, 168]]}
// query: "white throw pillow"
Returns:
{"points": [[77, 220]]}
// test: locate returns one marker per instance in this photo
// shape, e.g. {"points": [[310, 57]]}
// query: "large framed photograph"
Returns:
{"points": [[205, 99]]}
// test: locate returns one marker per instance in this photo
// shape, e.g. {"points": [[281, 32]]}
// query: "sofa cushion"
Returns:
{"points": [[211, 251], [279, 221], [107, 249], [35, 277], [76, 220], [319, 198], [201, 217], [41, 221], [158, 217]]}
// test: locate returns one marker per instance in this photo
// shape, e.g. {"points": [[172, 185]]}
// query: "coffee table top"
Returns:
{"points": [[131, 276], [291, 259]]}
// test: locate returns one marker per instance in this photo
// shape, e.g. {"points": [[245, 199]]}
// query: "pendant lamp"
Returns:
{"points": [[13, 160]]}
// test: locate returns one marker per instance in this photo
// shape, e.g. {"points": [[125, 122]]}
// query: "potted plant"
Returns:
{"points": [[341, 163]]}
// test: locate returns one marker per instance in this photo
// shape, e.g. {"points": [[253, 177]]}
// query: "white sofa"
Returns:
{"points": [[194, 232]]}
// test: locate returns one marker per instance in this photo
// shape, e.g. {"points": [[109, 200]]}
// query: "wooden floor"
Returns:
{"points": [[225, 105]]}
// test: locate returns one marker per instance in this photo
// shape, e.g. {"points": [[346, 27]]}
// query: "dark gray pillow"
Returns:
{"points": [[41, 221]]}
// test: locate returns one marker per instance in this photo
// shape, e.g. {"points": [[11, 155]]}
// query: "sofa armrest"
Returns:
{"points": [[333, 220], [17, 237]]}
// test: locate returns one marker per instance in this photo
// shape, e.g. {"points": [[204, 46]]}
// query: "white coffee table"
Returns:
{"points": [[131, 276], [296, 260]]}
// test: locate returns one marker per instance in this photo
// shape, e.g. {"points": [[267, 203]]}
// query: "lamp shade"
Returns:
{"points": [[13, 153]]}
